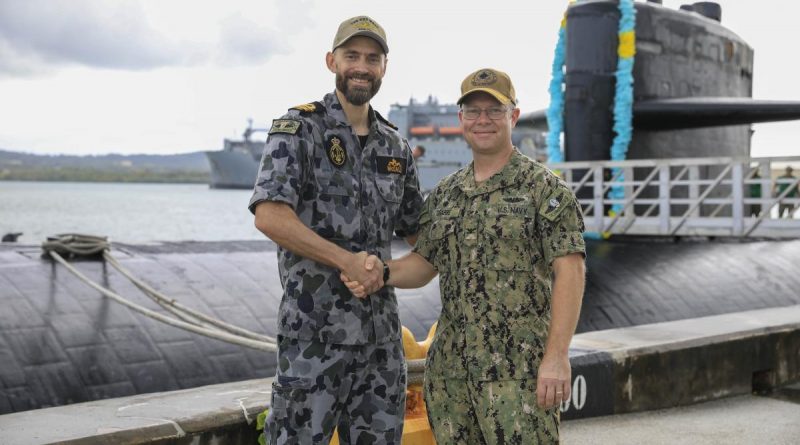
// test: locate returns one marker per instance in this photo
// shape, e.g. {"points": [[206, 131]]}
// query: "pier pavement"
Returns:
{"points": [[746, 419]]}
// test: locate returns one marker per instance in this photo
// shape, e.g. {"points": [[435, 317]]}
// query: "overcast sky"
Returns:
{"points": [[171, 76]]}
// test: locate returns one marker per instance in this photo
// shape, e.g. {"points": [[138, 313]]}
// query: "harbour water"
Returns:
{"points": [[129, 213]]}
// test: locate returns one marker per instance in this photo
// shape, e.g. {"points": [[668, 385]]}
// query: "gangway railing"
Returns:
{"points": [[735, 197]]}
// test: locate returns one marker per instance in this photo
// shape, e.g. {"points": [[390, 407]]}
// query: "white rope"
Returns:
{"points": [[190, 319], [416, 371], [178, 309], [212, 333]]}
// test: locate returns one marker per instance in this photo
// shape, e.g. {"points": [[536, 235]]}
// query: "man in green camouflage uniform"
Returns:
{"points": [[504, 233], [336, 181]]}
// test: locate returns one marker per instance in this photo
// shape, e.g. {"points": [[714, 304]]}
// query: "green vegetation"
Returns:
{"points": [[261, 422], [79, 174], [183, 168]]}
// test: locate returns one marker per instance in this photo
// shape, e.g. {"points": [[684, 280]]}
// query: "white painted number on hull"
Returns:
{"points": [[578, 399]]}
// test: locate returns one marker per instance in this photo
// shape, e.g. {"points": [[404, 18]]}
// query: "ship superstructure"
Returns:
{"points": [[430, 124], [435, 126], [236, 165]]}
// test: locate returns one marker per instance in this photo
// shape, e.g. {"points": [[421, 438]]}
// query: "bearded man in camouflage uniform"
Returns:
{"points": [[504, 233], [336, 178]]}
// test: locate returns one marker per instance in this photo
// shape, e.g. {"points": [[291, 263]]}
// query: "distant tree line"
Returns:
{"points": [[183, 168], [78, 174]]}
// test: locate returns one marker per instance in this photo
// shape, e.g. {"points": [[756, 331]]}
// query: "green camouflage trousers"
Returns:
{"points": [[463, 411], [318, 386]]}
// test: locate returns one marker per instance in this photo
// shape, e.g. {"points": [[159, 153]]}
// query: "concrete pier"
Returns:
{"points": [[718, 360], [740, 420]]}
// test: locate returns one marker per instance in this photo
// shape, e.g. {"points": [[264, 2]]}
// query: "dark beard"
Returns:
{"points": [[357, 96]]}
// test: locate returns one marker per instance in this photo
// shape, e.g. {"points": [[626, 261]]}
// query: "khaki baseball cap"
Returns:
{"points": [[360, 26], [491, 81]]}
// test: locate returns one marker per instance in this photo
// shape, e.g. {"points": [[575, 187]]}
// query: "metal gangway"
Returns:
{"points": [[713, 197]]}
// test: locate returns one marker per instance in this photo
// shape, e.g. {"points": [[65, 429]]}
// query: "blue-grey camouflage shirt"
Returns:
{"points": [[352, 196]]}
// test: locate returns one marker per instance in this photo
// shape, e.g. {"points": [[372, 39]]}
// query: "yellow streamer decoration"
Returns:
{"points": [[627, 45]]}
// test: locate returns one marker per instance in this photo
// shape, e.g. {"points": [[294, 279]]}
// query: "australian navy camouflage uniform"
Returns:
{"points": [[340, 359], [493, 245]]}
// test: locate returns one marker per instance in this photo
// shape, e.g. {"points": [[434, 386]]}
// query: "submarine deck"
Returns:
{"points": [[63, 343]]}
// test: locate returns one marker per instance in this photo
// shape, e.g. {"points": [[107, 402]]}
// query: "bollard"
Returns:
{"points": [[416, 429]]}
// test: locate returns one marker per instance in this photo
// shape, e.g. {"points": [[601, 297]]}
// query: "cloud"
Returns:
{"points": [[40, 36], [243, 42], [37, 35]]}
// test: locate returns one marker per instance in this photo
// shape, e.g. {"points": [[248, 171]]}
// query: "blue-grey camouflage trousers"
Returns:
{"points": [[359, 388]]}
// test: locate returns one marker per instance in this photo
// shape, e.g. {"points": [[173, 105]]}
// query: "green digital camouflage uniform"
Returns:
{"points": [[493, 245], [338, 354]]}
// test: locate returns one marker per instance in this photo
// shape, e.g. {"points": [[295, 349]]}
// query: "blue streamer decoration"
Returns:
{"points": [[555, 112], [623, 100], [623, 95]]}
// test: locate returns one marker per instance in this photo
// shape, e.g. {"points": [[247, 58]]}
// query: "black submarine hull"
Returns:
{"points": [[62, 342]]}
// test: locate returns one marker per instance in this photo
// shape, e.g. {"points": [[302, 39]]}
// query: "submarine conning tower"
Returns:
{"points": [[679, 54]]}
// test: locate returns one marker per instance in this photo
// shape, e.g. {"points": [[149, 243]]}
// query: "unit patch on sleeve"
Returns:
{"points": [[336, 151], [553, 205], [288, 126], [389, 164]]}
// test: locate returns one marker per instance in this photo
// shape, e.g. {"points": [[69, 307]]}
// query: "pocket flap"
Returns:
{"points": [[508, 227], [441, 228]]}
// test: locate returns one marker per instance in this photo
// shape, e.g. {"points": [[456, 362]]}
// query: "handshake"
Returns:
{"points": [[363, 274]]}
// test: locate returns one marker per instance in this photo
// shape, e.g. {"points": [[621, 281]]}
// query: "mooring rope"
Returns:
{"points": [[73, 245], [416, 371], [180, 310], [78, 245]]}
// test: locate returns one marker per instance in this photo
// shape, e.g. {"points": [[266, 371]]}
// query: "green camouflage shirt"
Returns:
{"points": [[493, 245], [352, 196]]}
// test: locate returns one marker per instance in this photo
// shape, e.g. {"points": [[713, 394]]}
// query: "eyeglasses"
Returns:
{"points": [[494, 113]]}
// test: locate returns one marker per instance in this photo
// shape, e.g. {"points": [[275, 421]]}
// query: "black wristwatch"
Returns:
{"points": [[385, 273]]}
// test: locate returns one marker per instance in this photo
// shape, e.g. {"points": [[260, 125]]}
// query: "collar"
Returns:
{"points": [[507, 176], [336, 116]]}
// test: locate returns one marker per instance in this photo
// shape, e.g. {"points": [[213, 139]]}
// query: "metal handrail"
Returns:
{"points": [[694, 196]]}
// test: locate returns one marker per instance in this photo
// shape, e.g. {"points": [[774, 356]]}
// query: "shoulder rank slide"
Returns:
{"points": [[311, 107], [288, 126]]}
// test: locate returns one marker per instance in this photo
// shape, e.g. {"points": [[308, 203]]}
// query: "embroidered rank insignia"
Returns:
{"points": [[287, 126], [388, 164], [554, 204], [307, 108], [515, 199], [312, 107], [336, 151]]}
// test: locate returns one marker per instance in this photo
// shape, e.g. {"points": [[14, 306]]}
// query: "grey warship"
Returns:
{"points": [[61, 343], [236, 165]]}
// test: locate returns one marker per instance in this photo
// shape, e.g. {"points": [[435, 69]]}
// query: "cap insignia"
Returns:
{"points": [[484, 77]]}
